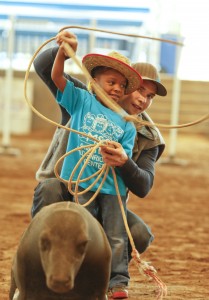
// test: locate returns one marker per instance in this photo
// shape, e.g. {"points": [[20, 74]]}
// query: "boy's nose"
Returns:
{"points": [[118, 88]]}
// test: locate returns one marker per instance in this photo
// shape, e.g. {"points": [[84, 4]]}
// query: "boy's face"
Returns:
{"points": [[138, 101], [113, 83]]}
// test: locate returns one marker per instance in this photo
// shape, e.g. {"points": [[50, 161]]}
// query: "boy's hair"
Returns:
{"points": [[99, 70]]}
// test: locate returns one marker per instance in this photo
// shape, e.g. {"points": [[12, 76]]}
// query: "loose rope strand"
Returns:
{"points": [[100, 92], [123, 34]]}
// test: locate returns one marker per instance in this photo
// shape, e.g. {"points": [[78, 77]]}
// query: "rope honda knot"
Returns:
{"points": [[149, 271]]}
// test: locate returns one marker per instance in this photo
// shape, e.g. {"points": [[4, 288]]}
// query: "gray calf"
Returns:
{"points": [[63, 255]]}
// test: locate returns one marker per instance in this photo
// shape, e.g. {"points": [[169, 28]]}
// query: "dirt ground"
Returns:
{"points": [[176, 209]]}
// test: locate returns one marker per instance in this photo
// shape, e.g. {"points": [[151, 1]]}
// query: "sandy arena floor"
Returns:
{"points": [[177, 210]]}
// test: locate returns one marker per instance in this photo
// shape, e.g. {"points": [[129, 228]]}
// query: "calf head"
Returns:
{"points": [[62, 245]]}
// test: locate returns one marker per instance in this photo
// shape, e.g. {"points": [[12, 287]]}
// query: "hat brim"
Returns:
{"points": [[161, 90], [134, 80]]}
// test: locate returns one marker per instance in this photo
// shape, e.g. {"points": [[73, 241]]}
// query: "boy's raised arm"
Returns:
{"points": [[58, 66], [58, 70]]}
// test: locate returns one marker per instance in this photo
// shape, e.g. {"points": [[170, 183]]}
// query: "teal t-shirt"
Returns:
{"points": [[88, 115]]}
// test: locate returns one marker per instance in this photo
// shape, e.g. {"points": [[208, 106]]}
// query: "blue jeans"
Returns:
{"points": [[52, 190], [108, 209]]}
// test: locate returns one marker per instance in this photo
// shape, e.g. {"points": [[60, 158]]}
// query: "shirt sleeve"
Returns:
{"points": [[139, 176], [71, 98]]}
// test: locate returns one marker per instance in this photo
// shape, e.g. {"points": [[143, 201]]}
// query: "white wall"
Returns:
{"points": [[189, 19]]}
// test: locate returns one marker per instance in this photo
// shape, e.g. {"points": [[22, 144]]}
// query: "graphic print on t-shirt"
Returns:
{"points": [[100, 127]]}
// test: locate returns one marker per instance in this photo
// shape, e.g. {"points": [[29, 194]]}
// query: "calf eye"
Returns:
{"points": [[81, 247], [45, 244]]}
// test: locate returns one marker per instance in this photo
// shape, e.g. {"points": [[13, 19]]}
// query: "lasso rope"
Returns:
{"points": [[144, 267], [114, 106], [123, 34]]}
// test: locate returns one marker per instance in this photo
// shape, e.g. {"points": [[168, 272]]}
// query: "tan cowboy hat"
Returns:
{"points": [[118, 62], [149, 72]]}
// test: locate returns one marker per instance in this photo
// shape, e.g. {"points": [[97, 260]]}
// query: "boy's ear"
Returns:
{"points": [[89, 86]]}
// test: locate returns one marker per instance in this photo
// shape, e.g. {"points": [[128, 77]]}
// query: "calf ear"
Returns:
{"points": [[45, 241]]}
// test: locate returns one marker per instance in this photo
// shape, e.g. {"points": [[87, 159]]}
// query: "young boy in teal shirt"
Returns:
{"points": [[117, 78]]}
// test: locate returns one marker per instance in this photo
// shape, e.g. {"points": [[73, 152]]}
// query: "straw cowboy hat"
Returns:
{"points": [[117, 62], [149, 72]]}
